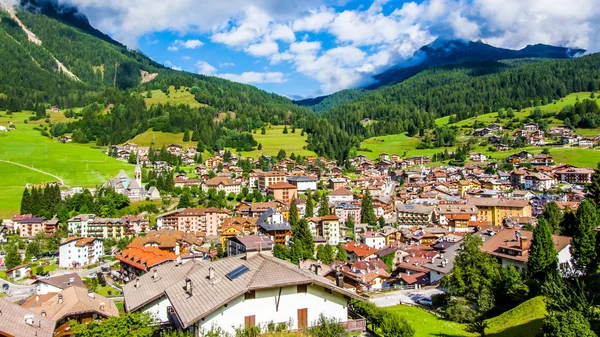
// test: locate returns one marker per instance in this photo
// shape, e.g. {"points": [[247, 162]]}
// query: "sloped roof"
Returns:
{"points": [[264, 272], [13, 322], [75, 300], [62, 281], [342, 191], [144, 257]]}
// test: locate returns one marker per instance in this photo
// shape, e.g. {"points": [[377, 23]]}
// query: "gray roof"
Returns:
{"points": [[301, 179], [415, 208], [264, 272], [122, 175], [450, 255], [62, 281], [267, 227], [13, 322]]}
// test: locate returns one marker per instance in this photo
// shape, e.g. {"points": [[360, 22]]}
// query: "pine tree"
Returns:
{"points": [[553, 214], [594, 187], [310, 208], [583, 244], [367, 213], [303, 246], [293, 129], [293, 214], [329, 254], [323, 205], [341, 254], [542, 252], [186, 136], [381, 222], [12, 257], [26, 202], [259, 146], [285, 130]]}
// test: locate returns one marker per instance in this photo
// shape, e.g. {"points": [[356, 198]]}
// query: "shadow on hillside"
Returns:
{"points": [[529, 329]]}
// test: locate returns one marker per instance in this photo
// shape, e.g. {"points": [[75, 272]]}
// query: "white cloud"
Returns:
{"points": [[256, 77], [226, 64], [282, 33], [186, 57], [171, 65], [265, 48], [205, 68], [188, 44], [317, 20], [252, 26]]}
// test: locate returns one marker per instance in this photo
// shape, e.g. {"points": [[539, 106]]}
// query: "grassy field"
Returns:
{"points": [[274, 140], [76, 164], [180, 96], [159, 138], [521, 321], [103, 291]]}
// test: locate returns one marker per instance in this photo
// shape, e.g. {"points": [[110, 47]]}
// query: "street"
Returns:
{"points": [[403, 296], [16, 292]]}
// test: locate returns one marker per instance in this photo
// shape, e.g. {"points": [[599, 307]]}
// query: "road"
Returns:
{"points": [[403, 296], [16, 292], [82, 272]]}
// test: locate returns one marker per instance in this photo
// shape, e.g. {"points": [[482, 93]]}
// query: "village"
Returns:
{"points": [[390, 224]]}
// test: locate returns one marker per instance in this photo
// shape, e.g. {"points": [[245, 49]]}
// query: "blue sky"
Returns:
{"points": [[305, 48]]}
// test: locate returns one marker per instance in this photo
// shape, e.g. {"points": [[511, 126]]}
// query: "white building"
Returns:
{"points": [[80, 252], [78, 225], [373, 240], [303, 183], [57, 284], [244, 292], [341, 195]]}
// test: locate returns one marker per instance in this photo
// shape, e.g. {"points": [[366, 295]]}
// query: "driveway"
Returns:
{"points": [[83, 272], [16, 292], [403, 296]]}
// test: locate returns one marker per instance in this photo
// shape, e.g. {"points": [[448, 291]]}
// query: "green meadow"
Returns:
{"points": [[158, 138], [522, 321], [181, 96], [77, 164], [274, 140]]}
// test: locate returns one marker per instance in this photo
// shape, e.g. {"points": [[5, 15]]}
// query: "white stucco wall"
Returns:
{"points": [[44, 288], [158, 309], [263, 307]]}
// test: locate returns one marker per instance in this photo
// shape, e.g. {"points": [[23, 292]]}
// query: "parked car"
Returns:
{"points": [[425, 302], [5, 286], [105, 269], [93, 275]]}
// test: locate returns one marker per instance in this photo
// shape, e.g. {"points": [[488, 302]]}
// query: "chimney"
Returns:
{"points": [[102, 305], [188, 286], [523, 242], [339, 279], [29, 320], [211, 273], [43, 313], [60, 298], [71, 280], [155, 274], [137, 283], [91, 294], [37, 300], [177, 252]]}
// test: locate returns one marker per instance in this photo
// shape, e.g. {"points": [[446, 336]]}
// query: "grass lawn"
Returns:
{"points": [[120, 305], [3, 274], [426, 324], [76, 164], [47, 269], [521, 321], [158, 138], [180, 96], [103, 291], [274, 140], [395, 144]]}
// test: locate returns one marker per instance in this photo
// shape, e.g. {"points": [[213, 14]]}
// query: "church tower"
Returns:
{"points": [[137, 173]]}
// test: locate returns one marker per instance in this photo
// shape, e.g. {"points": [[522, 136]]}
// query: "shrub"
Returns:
{"points": [[325, 327]]}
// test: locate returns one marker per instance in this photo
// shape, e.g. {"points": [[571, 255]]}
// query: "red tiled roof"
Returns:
{"points": [[144, 258]]}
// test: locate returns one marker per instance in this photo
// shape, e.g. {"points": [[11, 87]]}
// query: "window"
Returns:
{"points": [[301, 288], [250, 321], [250, 295]]}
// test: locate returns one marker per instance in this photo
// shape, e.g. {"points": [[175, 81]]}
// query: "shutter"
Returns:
{"points": [[249, 321]]}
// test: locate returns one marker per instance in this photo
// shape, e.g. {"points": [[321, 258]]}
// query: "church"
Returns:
{"points": [[132, 188]]}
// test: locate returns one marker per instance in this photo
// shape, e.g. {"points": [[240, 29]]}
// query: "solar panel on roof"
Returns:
{"points": [[237, 272], [409, 206]]}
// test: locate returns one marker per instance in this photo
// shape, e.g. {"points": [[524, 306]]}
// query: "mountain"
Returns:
{"points": [[443, 52], [440, 52]]}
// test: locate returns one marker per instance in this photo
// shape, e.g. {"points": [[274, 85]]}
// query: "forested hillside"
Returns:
{"points": [[462, 91]]}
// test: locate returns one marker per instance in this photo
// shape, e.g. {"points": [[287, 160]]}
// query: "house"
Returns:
{"points": [[574, 175], [483, 132], [327, 228], [56, 284], [78, 225], [542, 160], [347, 210], [531, 127], [303, 183], [456, 216], [237, 227], [136, 261], [336, 183], [17, 272], [494, 210], [31, 226], [583, 142], [266, 179], [249, 243], [373, 239], [3, 234], [340, 195], [359, 251], [80, 252], [170, 240], [20, 322], [238, 287], [363, 276], [414, 214], [480, 157], [512, 248], [275, 226], [206, 220], [225, 184], [438, 267], [107, 228], [283, 191], [538, 182], [71, 304]]}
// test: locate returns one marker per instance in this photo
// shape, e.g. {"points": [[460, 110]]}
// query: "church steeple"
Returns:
{"points": [[137, 173]]}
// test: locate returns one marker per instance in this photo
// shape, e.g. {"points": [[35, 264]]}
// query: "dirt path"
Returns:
{"points": [[62, 183]]}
